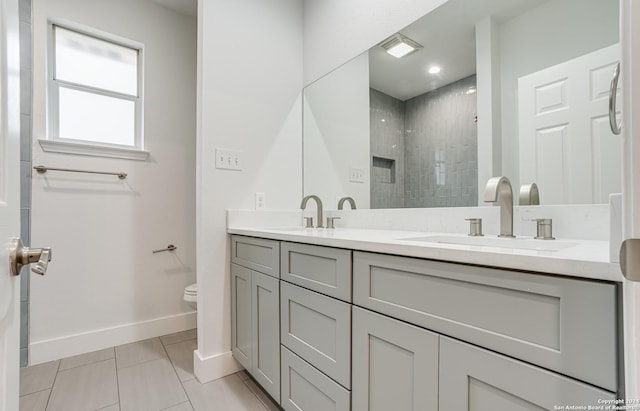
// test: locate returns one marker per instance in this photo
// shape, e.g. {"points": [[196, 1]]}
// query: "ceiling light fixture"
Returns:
{"points": [[400, 46], [434, 70]]}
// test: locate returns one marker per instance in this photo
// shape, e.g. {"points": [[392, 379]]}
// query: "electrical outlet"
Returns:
{"points": [[228, 159], [356, 175], [261, 201]]}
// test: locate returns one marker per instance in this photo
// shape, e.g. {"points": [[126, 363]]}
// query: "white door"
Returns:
{"points": [[9, 202], [566, 146], [630, 80]]}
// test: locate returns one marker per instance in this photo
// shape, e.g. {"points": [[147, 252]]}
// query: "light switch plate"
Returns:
{"points": [[228, 159], [356, 175]]}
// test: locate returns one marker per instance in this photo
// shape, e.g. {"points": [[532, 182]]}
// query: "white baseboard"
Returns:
{"points": [[57, 348], [217, 366]]}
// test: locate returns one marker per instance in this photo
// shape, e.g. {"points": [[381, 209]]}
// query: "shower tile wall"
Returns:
{"points": [[441, 147], [387, 150], [26, 75]]}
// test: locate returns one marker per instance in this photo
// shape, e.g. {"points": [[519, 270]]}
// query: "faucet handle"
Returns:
{"points": [[330, 222], [475, 227], [308, 222], [544, 228]]}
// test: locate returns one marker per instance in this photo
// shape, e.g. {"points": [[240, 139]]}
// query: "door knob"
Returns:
{"points": [[19, 255]]}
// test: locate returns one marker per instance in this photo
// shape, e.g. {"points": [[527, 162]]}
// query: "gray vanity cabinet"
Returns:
{"points": [[566, 325], [256, 254], [255, 339], [318, 329], [265, 310], [323, 269], [472, 378], [241, 342], [395, 365], [255, 310], [304, 388]]}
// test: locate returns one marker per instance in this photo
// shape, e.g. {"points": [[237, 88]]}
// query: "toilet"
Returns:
{"points": [[191, 295]]}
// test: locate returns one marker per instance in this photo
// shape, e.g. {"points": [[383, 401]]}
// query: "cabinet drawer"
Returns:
{"points": [[322, 269], [562, 324], [475, 379], [256, 254], [318, 329], [306, 389]]}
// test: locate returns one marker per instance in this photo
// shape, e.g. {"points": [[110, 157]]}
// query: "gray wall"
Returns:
{"points": [[387, 150], [431, 141], [26, 77], [441, 147]]}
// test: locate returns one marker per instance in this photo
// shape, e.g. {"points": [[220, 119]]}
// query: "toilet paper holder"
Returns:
{"points": [[170, 247]]}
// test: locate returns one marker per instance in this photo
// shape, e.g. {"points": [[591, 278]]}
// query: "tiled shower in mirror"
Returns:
{"points": [[424, 149]]}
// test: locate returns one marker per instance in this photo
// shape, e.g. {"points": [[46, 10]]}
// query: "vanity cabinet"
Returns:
{"points": [[255, 311], [355, 330], [473, 378], [304, 388], [322, 269], [318, 329], [551, 321], [395, 364]]}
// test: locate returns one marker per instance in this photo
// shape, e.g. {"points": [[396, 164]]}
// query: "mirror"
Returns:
{"points": [[522, 91]]}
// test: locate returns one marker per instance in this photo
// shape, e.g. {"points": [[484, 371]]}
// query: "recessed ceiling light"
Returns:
{"points": [[399, 45], [434, 70]]}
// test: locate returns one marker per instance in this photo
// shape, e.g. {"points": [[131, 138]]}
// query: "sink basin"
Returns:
{"points": [[513, 243]]}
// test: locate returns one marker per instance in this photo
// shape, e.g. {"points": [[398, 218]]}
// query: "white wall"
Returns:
{"points": [[571, 29], [249, 85], [335, 31], [104, 287], [336, 135]]}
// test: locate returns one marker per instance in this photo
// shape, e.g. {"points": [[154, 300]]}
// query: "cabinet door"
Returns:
{"points": [[265, 303], [475, 379], [318, 329], [395, 365], [241, 346]]}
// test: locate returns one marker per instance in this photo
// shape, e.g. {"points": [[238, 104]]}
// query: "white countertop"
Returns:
{"points": [[581, 258]]}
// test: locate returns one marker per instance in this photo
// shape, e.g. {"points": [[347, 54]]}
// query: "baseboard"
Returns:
{"points": [[57, 348], [217, 366]]}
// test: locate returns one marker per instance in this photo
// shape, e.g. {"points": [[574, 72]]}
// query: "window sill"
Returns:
{"points": [[65, 147]]}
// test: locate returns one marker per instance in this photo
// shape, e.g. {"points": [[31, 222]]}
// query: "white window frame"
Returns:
{"points": [[53, 143]]}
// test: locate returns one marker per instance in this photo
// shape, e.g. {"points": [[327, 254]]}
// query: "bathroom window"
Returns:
{"points": [[95, 94]]}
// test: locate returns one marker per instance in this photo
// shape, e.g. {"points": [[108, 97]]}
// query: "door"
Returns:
{"points": [[630, 30], [241, 343], [395, 365], [473, 378], [9, 202], [566, 146]]}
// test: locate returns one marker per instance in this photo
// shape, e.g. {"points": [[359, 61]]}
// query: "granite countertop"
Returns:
{"points": [[570, 257]]}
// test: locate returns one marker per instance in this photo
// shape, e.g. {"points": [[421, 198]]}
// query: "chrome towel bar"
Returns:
{"points": [[43, 169]]}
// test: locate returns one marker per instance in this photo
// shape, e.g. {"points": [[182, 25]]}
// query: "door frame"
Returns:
{"points": [[630, 39]]}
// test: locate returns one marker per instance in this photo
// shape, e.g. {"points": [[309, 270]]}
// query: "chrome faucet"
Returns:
{"points": [[303, 205], [351, 201], [529, 194], [499, 189]]}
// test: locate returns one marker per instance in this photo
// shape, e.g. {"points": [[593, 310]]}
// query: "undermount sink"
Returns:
{"points": [[514, 243]]}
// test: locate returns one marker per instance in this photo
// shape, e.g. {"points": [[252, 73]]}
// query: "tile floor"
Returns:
{"points": [[153, 375]]}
